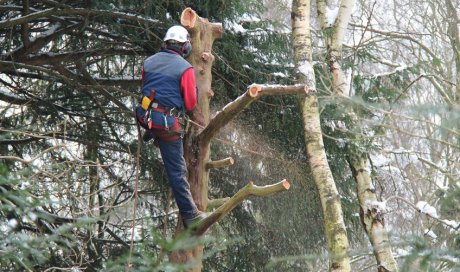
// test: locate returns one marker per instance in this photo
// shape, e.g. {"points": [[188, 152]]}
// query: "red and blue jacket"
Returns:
{"points": [[172, 78]]}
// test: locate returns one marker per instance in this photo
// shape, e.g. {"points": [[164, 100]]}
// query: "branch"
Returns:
{"points": [[398, 35], [442, 221], [74, 11], [215, 203], [220, 163], [232, 109], [13, 158], [57, 58], [38, 43], [249, 190], [12, 99]]}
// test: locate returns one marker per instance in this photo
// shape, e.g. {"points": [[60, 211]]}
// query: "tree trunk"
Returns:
{"points": [[371, 214], [454, 34], [335, 230], [372, 219], [196, 152], [203, 129], [94, 197]]}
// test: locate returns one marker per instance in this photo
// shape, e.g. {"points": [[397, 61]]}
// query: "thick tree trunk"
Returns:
{"points": [[197, 151], [371, 213], [203, 129], [335, 230]]}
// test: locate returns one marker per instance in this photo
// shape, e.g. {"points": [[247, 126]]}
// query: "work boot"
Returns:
{"points": [[196, 220]]}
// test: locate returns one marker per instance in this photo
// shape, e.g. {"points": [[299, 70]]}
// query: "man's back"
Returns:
{"points": [[162, 73]]}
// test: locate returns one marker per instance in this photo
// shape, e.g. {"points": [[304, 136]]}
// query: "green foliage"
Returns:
{"points": [[450, 204], [24, 245], [144, 255], [424, 257]]}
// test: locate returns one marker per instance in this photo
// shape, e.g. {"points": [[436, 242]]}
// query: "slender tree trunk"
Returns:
{"points": [[94, 199], [335, 230], [371, 214], [454, 34], [371, 218]]}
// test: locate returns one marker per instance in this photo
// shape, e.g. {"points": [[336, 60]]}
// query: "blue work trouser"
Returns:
{"points": [[174, 162]]}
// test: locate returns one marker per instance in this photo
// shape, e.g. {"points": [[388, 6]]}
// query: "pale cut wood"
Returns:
{"points": [[220, 163], [188, 18]]}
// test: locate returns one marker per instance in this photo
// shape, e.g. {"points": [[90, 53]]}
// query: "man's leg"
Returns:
{"points": [[174, 162]]}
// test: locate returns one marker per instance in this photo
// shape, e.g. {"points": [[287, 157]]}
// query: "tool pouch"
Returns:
{"points": [[166, 127]]}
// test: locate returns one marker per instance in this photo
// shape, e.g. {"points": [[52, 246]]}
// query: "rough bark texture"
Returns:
{"points": [[371, 214], [196, 152], [203, 129], [335, 230]]}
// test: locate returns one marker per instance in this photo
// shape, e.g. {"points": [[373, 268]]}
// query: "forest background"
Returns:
{"points": [[69, 148]]}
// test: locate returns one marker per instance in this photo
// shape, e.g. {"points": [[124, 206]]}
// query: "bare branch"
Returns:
{"points": [[220, 163], [249, 190], [233, 108], [74, 11]]}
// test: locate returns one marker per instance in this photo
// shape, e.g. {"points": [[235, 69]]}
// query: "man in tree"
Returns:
{"points": [[168, 89]]}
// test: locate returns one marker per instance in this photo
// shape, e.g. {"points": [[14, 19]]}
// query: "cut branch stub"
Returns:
{"points": [[188, 18], [220, 163], [249, 190], [254, 90]]}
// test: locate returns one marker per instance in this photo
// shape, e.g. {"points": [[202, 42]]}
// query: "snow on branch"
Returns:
{"points": [[427, 209], [11, 98], [430, 211]]}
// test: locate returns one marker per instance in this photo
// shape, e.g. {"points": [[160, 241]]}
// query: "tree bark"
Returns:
{"points": [[454, 34], [371, 214], [335, 230], [198, 139], [371, 219]]}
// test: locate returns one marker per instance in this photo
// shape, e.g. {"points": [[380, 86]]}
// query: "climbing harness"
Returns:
{"points": [[163, 122]]}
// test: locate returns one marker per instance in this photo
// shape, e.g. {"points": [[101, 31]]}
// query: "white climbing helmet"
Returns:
{"points": [[177, 33]]}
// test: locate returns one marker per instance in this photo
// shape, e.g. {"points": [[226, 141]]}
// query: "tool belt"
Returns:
{"points": [[164, 122]]}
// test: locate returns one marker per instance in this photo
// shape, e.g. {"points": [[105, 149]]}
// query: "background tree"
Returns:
{"points": [[330, 201]]}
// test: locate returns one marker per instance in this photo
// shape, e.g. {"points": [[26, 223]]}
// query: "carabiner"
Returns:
{"points": [[166, 121]]}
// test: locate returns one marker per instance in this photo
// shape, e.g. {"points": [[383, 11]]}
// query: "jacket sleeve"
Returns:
{"points": [[188, 89]]}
